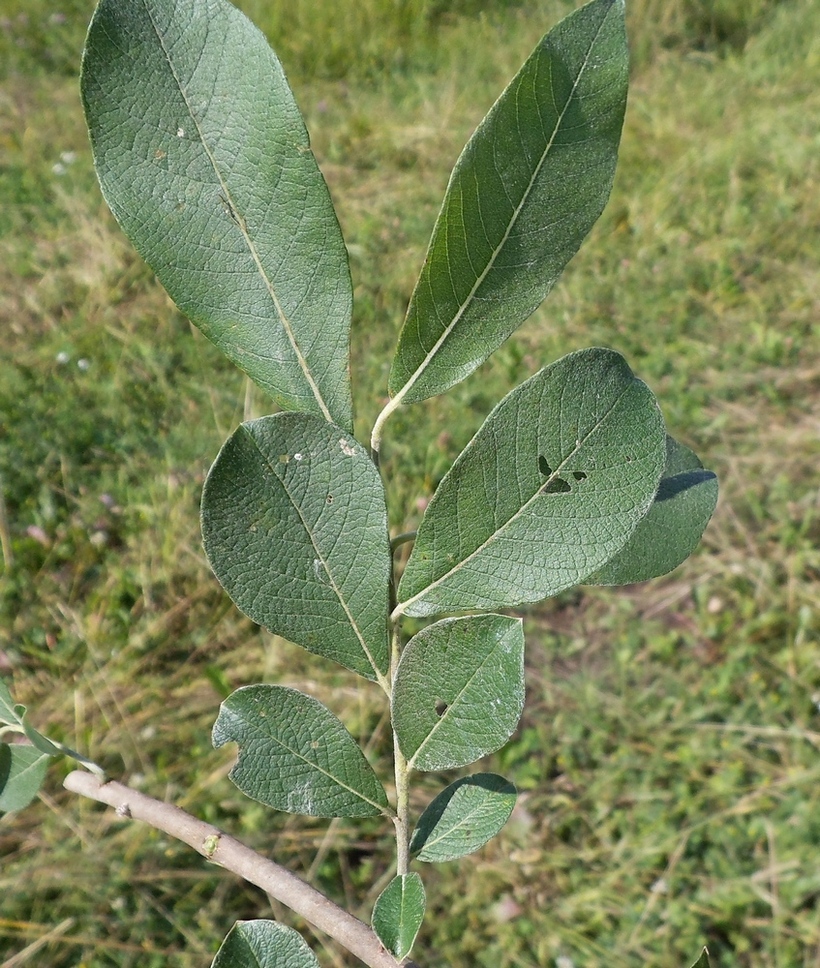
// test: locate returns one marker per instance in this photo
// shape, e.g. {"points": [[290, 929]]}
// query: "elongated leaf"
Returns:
{"points": [[550, 488], [263, 944], [204, 159], [459, 690], [398, 913], [525, 192], [703, 961], [295, 528], [295, 755], [22, 770], [673, 526], [463, 817]]}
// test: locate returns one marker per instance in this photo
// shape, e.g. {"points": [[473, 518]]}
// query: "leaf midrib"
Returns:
{"points": [[239, 221], [401, 608], [444, 719], [359, 635], [462, 309], [381, 807]]}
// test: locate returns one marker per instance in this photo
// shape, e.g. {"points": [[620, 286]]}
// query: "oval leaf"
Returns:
{"points": [[672, 527], [263, 944], [204, 159], [294, 524], [525, 192], [22, 770], [295, 755], [549, 489], [463, 817], [459, 690], [398, 913]]}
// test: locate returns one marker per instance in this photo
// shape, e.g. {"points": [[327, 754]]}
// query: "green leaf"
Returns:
{"points": [[295, 528], [673, 526], [11, 713], [263, 944], [525, 192], [463, 817], [459, 690], [295, 755], [205, 161], [398, 913], [550, 488], [703, 961], [43, 743], [22, 770]]}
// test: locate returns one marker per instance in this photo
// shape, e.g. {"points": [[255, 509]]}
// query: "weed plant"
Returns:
{"points": [[671, 735]]}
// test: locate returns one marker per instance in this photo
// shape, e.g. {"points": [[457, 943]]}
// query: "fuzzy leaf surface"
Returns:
{"points": [[22, 770], [295, 755], [528, 187], [398, 913], [672, 527], [294, 525], [551, 487], [463, 817], [459, 690], [205, 161], [263, 944]]}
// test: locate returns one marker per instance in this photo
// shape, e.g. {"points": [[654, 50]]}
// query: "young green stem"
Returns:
{"points": [[402, 538], [402, 817], [378, 428], [402, 773]]}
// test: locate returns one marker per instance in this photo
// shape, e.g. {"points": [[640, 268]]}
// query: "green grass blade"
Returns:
{"points": [[525, 192], [459, 691], [204, 159], [295, 755], [549, 489], [673, 526], [294, 525], [263, 944]]}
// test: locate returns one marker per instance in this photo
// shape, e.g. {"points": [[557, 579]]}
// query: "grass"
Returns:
{"points": [[668, 756]]}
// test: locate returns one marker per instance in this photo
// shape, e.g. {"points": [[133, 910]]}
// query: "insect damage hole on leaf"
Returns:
{"points": [[556, 486]]}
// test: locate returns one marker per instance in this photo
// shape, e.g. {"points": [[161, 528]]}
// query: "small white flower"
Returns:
{"points": [[83, 364], [62, 357]]}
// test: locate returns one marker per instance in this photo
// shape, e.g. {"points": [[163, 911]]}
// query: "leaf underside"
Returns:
{"points": [[551, 487], [205, 161], [263, 944], [398, 913], [294, 524], [463, 817], [528, 187], [295, 755], [672, 527], [459, 690]]}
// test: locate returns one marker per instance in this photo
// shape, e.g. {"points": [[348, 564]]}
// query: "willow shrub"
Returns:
{"points": [[205, 161]]}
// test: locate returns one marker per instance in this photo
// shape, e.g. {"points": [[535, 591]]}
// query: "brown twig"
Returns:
{"points": [[222, 849]]}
